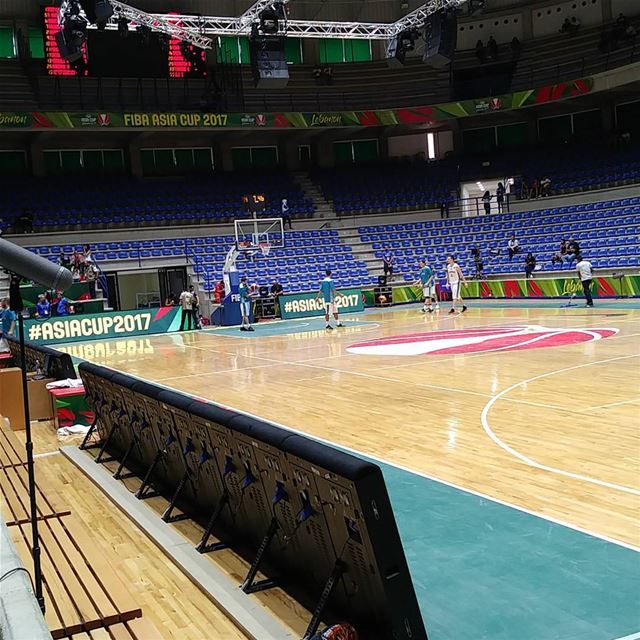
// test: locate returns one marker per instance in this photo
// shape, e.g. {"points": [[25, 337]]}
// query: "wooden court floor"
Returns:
{"points": [[535, 407], [553, 429]]}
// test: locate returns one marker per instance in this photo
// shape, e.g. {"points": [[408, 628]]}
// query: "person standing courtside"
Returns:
{"points": [[585, 273], [186, 304], [329, 294], [286, 213], [245, 305], [426, 278], [455, 278]]}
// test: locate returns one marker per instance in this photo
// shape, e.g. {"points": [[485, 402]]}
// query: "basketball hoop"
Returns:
{"points": [[265, 247]]}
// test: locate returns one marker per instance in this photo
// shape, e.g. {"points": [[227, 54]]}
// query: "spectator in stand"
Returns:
{"points": [[534, 192], [486, 200], [516, 47], [561, 253], [492, 48], [286, 213], [524, 189], [171, 300], [545, 186], [585, 273], [529, 265], [513, 246], [43, 307], [500, 192], [317, 73], [63, 261], [388, 260], [444, 209], [573, 251], [570, 26], [62, 306], [328, 75], [86, 253], [77, 265], [91, 276], [481, 53]]}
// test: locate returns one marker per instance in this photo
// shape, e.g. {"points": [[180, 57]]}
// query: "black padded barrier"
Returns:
{"points": [[315, 520], [50, 362]]}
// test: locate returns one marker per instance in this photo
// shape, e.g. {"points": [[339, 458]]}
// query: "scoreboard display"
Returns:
{"points": [[110, 54], [255, 202]]}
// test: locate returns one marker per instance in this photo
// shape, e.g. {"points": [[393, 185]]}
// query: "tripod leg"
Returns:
{"points": [[249, 586], [203, 546], [103, 447], [141, 492], [314, 623], [166, 516]]}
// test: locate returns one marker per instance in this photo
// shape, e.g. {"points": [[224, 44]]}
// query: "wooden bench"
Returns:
{"points": [[12, 452], [84, 597]]}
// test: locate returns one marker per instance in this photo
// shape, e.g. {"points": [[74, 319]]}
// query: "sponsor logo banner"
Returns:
{"points": [[478, 340], [297, 120], [303, 305], [100, 326]]}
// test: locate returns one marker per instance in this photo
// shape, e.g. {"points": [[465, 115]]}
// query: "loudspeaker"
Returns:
{"points": [[395, 53], [97, 11], [268, 62], [69, 53], [440, 36]]}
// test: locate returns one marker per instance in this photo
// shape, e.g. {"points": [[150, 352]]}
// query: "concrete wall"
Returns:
{"points": [[20, 615]]}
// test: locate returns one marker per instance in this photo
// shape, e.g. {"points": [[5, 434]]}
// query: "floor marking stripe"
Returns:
{"points": [[421, 474], [538, 465], [613, 404], [633, 636]]}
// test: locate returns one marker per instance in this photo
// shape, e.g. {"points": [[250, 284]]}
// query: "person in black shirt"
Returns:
{"points": [[529, 264], [276, 291]]}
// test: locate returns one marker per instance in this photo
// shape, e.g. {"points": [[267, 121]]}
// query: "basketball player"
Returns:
{"points": [[329, 294], [245, 304], [426, 278], [455, 278]]}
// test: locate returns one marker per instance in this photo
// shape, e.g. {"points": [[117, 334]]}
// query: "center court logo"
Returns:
{"points": [[478, 340]]}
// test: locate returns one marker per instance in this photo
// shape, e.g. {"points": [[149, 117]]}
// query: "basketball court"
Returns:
{"points": [[507, 436]]}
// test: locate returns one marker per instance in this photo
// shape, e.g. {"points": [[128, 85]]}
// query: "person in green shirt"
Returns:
{"points": [[427, 280], [245, 304], [328, 294]]}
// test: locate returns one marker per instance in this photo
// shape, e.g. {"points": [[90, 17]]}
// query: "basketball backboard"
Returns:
{"points": [[259, 234]]}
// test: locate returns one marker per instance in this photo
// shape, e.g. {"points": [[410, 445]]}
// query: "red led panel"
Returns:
{"points": [[56, 64], [179, 66]]}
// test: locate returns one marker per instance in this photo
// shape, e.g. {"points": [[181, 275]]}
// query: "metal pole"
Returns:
{"points": [[35, 540]]}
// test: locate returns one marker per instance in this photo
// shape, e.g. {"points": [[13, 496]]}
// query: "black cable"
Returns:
{"points": [[16, 570]]}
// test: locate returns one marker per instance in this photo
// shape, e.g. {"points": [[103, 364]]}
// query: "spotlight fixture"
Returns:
{"points": [[269, 21]]}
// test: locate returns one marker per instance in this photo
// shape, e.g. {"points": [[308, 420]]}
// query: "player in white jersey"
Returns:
{"points": [[455, 278]]}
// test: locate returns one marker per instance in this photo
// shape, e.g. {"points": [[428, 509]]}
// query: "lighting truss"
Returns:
{"points": [[199, 30], [416, 19], [169, 24]]}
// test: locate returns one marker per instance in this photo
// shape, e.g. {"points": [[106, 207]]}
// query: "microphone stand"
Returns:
{"points": [[35, 539]]}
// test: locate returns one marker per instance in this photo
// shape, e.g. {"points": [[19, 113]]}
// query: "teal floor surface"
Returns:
{"points": [[484, 570]]}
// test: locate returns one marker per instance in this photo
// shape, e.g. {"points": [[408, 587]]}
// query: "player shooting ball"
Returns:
{"points": [[328, 294]]}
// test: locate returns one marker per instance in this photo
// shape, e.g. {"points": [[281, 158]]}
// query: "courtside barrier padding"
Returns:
{"points": [[54, 364], [317, 521]]}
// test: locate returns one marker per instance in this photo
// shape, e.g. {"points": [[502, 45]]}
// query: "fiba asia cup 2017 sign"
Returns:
{"points": [[295, 119], [99, 326], [304, 305]]}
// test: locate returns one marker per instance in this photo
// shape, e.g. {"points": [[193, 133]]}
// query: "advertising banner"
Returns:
{"points": [[627, 286], [296, 120], [304, 305], [100, 326]]}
